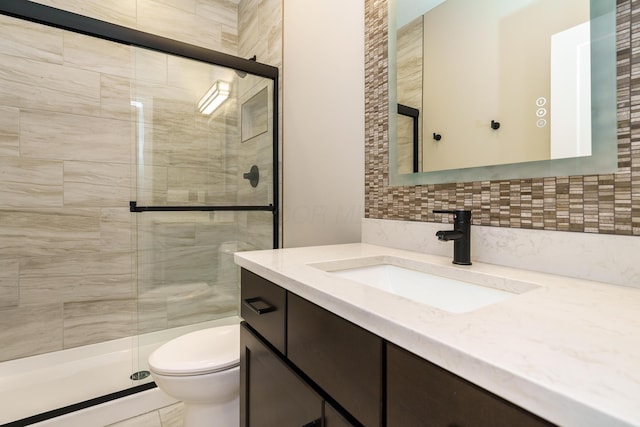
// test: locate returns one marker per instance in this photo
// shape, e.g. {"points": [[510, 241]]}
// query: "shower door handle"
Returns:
{"points": [[258, 305]]}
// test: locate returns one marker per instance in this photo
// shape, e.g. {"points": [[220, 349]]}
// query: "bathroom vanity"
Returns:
{"points": [[317, 347]]}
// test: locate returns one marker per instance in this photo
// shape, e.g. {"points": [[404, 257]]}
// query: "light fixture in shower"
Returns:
{"points": [[215, 96]]}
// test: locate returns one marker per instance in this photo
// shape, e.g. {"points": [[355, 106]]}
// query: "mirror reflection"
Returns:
{"points": [[493, 82]]}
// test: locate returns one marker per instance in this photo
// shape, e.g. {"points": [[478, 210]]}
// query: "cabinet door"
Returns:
{"points": [[340, 357], [270, 393], [420, 393]]}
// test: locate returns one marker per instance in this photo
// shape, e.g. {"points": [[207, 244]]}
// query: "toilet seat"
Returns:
{"points": [[197, 353]]}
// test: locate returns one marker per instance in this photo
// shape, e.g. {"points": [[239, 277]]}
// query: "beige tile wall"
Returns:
{"points": [[67, 171], [64, 187]]}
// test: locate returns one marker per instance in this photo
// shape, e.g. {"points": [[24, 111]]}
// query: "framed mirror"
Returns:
{"points": [[501, 89]]}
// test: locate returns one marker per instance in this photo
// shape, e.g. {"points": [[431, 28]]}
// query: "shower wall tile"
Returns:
{"points": [[176, 231], [189, 179], [152, 186], [187, 6], [39, 85], [8, 282], [167, 20], [97, 55], [260, 30], [22, 332], [256, 228], [189, 148], [249, 40], [174, 106], [41, 290], [115, 98], [122, 12], [30, 182], [196, 77], [221, 228], [224, 12], [190, 264], [152, 312], [150, 66], [116, 229], [159, 97], [97, 321], [9, 131], [48, 232], [200, 302], [61, 136], [29, 40], [207, 23], [96, 184], [92, 266], [271, 20]]}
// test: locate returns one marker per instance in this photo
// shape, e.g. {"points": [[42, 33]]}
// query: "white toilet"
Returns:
{"points": [[202, 369]]}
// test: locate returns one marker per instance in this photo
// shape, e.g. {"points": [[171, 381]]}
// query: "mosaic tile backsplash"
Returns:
{"points": [[592, 203]]}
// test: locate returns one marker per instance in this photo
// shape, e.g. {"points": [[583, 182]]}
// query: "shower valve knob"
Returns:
{"points": [[253, 176]]}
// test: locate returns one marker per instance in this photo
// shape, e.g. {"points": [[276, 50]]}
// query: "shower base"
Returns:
{"points": [[47, 382]]}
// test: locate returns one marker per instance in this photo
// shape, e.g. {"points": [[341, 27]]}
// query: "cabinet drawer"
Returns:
{"points": [[263, 306], [421, 393], [340, 357]]}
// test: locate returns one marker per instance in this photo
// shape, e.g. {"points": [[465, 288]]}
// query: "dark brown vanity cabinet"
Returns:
{"points": [[420, 393], [301, 365]]}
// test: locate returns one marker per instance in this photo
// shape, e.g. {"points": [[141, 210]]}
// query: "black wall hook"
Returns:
{"points": [[437, 136], [495, 125]]}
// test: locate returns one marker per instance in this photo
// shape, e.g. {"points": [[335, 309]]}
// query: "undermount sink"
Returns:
{"points": [[419, 282]]}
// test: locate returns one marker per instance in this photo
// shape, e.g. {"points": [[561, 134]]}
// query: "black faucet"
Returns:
{"points": [[461, 236]]}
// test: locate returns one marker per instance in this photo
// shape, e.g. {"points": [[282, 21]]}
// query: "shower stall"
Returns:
{"points": [[132, 167]]}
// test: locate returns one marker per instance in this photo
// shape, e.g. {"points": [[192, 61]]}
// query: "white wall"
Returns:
{"points": [[323, 121]]}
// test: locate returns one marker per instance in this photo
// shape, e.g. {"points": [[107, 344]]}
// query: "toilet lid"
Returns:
{"points": [[200, 352]]}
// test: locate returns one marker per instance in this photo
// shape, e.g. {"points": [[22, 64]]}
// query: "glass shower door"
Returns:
{"points": [[204, 190]]}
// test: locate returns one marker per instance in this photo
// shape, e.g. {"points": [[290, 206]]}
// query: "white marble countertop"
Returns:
{"points": [[568, 351]]}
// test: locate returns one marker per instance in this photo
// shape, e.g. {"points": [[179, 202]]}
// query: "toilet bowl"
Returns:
{"points": [[202, 370]]}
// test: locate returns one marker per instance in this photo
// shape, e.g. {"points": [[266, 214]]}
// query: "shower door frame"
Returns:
{"points": [[57, 18]]}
